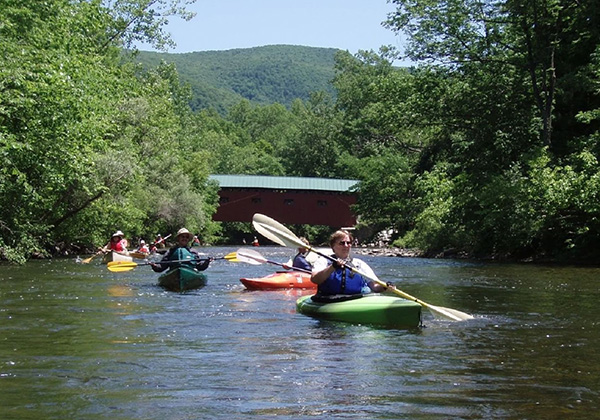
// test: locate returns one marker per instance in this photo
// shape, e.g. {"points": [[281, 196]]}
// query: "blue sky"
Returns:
{"points": [[227, 24]]}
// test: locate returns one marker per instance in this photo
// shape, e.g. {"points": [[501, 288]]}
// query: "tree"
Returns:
{"points": [[77, 126], [313, 151], [517, 88], [541, 45], [141, 20]]}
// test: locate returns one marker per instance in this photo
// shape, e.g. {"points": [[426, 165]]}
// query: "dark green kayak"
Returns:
{"points": [[372, 309], [182, 278]]}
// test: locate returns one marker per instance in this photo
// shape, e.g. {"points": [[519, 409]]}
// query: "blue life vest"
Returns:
{"points": [[300, 262], [342, 282]]}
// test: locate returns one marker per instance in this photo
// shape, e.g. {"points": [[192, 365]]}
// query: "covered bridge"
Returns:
{"points": [[292, 200]]}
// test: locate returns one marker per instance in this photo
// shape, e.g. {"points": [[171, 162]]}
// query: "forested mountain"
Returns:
{"points": [[263, 75]]}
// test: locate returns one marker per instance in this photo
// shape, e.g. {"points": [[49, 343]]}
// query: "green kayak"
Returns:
{"points": [[372, 309], [182, 278]]}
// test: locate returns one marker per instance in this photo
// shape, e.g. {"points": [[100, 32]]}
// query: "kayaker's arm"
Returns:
{"points": [[320, 276], [164, 263], [158, 267], [203, 264], [378, 288]]}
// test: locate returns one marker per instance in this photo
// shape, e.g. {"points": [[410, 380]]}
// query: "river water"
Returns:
{"points": [[80, 342]]}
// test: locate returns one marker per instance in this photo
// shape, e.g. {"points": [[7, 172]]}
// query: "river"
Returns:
{"points": [[80, 342]]}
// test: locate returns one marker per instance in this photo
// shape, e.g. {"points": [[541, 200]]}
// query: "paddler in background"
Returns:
{"points": [[181, 251], [335, 278], [144, 249], [300, 259], [196, 241], [159, 242], [117, 243]]}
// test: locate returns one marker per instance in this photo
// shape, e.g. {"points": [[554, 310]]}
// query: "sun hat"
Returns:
{"points": [[118, 233], [183, 231]]}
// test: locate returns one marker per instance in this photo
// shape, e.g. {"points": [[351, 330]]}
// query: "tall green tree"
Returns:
{"points": [[73, 124]]}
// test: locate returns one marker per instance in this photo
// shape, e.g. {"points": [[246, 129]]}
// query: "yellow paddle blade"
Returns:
{"points": [[87, 260], [120, 266], [120, 269], [232, 256]]}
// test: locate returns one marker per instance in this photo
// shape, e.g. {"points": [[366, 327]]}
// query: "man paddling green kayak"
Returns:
{"points": [[181, 252]]}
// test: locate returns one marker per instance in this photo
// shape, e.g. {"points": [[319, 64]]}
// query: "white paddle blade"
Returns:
{"points": [[250, 257], [448, 313], [276, 232], [437, 311]]}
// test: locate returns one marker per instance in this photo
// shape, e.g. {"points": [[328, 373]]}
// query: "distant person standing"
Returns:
{"points": [[255, 242]]}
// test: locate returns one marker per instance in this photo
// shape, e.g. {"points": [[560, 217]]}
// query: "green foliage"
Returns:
{"points": [[81, 134], [430, 228], [313, 148], [505, 122], [385, 191]]}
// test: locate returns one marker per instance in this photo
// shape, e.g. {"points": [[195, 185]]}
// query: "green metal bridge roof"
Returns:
{"points": [[284, 182]]}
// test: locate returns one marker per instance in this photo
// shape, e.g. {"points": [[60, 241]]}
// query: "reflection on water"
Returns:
{"points": [[80, 342]]}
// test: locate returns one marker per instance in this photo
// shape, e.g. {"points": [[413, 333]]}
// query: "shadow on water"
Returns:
{"points": [[80, 342]]}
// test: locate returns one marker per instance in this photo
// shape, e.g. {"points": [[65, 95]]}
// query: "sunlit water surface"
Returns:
{"points": [[80, 342]]}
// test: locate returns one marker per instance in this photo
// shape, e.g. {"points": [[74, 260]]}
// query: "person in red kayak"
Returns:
{"points": [[336, 278], [299, 261]]}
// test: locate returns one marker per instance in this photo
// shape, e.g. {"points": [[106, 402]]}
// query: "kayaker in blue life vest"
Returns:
{"points": [[181, 251], [299, 260], [335, 278]]}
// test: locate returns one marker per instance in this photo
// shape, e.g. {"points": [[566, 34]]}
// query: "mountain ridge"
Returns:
{"points": [[263, 75]]}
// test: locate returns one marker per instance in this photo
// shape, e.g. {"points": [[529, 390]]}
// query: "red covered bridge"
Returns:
{"points": [[291, 200]]}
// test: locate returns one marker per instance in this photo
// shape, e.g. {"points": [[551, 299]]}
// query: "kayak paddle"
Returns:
{"points": [[255, 258], [121, 266], [87, 260], [161, 240], [275, 231]]}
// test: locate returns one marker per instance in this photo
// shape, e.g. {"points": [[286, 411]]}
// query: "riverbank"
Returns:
{"points": [[63, 250], [389, 252]]}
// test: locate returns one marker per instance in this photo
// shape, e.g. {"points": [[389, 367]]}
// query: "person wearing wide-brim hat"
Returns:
{"points": [[180, 253], [117, 243]]}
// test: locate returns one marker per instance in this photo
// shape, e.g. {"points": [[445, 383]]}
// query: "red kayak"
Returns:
{"points": [[280, 280]]}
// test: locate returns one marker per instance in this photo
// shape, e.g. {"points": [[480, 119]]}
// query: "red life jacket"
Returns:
{"points": [[118, 246]]}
